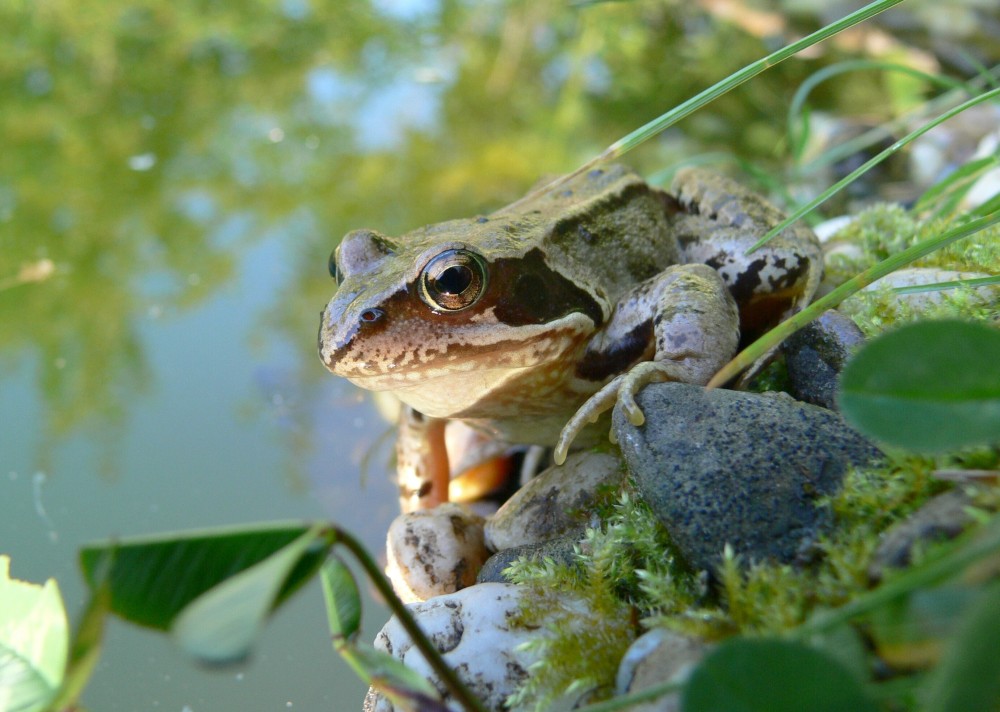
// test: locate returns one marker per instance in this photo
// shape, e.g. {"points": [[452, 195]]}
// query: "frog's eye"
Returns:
{"points": [[453, 280], [334, 267]]}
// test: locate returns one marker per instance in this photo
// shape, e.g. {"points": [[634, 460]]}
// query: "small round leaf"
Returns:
{"points": [[758, 675], [927, 387]]}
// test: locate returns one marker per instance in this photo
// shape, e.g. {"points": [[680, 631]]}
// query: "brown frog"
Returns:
{"points": [[533, 321]]}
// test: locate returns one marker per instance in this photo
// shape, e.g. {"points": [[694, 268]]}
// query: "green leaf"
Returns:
{"points": [[34, 641], [152, 579], [927, 387], [757, 675], [402, 685], [406, 688], [343, 602], [220, 625], [968, 678]]}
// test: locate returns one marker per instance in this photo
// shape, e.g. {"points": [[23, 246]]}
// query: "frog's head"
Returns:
{"points": [[448, 314]]}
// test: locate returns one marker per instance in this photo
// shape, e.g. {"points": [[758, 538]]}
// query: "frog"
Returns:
{"points": [[532, 322]]}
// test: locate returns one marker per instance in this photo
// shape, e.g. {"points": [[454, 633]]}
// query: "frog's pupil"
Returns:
{"points": [[454, 280]]}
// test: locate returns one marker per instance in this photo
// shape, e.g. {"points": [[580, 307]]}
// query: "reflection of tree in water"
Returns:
{"points": [[148, 144]]}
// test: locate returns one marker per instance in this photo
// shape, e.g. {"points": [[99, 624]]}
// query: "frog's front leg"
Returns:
{"points": [[422, 468], [689, 322]]}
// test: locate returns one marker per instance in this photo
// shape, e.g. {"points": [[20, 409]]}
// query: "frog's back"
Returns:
{"points": [[606, 227]]}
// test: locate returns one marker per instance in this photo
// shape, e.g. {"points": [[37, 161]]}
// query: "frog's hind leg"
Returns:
{"points": [[718, 223], [695, 330]]}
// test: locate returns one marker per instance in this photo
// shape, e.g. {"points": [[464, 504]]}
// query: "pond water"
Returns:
{"points": [[187, 168]]}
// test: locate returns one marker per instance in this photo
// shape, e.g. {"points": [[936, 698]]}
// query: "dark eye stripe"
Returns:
{"points": [[529, 291]]}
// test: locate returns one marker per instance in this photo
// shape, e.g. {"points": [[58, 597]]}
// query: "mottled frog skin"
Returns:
{"points": [[532, 321]]}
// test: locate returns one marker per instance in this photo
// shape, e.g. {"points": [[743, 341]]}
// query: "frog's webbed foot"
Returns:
{"points": [[621, 389]]}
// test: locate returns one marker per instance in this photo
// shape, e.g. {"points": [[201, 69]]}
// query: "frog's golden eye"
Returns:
{"points": [[453, 280], [334, 267]]}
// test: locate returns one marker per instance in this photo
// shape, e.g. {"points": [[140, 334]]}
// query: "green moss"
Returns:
{"points": [[884, 230], [590, 609]]}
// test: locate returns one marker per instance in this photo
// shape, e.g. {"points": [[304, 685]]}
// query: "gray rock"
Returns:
{"points": [[554, 503], [656, 657], [816, 354], [560, 550], [726, 467], [940, 518]]}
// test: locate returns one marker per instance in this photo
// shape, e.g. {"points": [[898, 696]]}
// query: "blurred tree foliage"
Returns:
{"points": [[147, 144]]}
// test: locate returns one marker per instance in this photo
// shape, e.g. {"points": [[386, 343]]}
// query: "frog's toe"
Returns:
{"points": [[636, 379], [588, 413]]}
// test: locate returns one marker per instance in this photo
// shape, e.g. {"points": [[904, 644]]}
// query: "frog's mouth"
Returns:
{"points": [[444, 381]]}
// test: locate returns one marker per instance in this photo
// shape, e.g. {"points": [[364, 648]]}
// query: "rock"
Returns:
{"points": [[726, 467], [561, 550], [816, 354], [657, 657], [554, 503], [940, 518], [471, 630], [434, 551]]}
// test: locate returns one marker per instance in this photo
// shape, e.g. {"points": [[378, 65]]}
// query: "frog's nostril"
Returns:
{"points": [[369, 316]]}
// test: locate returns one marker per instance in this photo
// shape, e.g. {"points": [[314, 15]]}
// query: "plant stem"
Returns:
{"points": [[458, 689]]}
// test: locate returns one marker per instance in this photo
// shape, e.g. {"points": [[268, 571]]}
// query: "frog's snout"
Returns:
{"points": [[337, 331], [333, 339]]}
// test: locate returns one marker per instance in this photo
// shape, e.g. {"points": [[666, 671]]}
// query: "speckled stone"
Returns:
{"points": [[656, 657], [745, 469], [434, 551], [554, 503], [940, 518], [816, 354], [559, 550], [471, 630]]}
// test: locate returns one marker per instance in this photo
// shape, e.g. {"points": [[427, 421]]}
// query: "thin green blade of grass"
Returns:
{"points": [[961, 178], [665, 121], [797, 142], [990, 206], [952, 284], [775, 336], [869, 164], [982, 71], [654, 127]]}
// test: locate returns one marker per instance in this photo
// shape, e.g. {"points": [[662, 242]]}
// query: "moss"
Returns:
{"points": [[590, 609], [884, 230]]}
